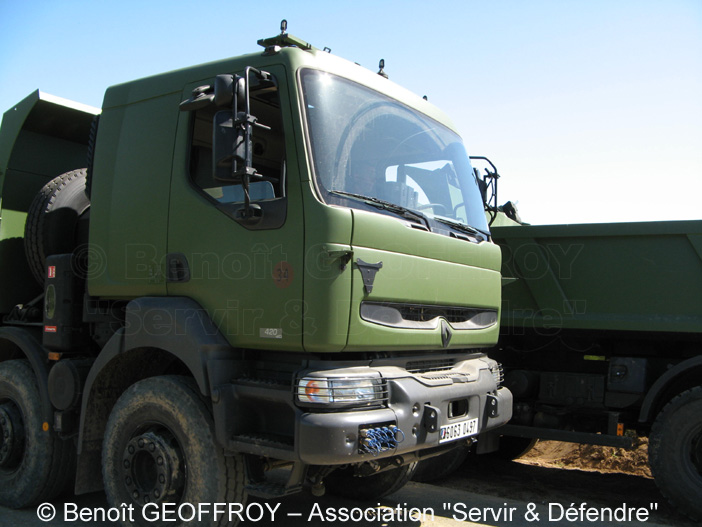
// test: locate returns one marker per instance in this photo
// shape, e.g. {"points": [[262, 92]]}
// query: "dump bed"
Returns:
{"points": [[618, 276], [41, 137]]}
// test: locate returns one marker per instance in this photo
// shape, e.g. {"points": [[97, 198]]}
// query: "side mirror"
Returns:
{"points": [[482, 185], [228, 147], [488, 186], [232, 137]]}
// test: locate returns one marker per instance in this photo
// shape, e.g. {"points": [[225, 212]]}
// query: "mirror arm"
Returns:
{"points": [[250, 213], [201, 97], [233, 92], [490, 184]]}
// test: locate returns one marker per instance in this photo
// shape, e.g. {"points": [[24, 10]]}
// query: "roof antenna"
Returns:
{"points": [[283, 26], [381, 65]]}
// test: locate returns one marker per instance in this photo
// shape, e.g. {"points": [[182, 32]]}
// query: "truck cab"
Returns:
{"points": [[300, 243]]}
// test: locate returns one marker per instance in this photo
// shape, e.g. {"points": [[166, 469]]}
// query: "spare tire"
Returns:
{"points": [[52, 225]]}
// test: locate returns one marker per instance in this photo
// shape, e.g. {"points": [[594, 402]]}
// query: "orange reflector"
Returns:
{"points": [[45, 426], [312, 390], [54, 355], [620, 429]]}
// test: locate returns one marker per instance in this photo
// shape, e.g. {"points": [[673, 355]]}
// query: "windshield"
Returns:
{"points": [[365, 144]]}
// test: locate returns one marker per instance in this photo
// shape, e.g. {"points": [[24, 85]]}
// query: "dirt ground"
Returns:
{"points": [[570, 473], [552, 472], [590, 457]]}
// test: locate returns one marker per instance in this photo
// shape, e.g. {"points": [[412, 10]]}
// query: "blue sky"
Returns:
{"points": [[592, 110]]}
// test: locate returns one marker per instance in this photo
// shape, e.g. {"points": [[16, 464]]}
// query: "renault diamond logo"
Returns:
{"points": [[446, 334]]}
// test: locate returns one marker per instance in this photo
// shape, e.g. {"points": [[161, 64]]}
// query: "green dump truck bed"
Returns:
{"points": [[623, 276], [41, 136], [601, 341]]}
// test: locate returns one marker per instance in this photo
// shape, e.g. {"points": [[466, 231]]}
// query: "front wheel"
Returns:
{"points": [[441, 466], [344, 484], [512, 447], [675, 452], [160, 447]]}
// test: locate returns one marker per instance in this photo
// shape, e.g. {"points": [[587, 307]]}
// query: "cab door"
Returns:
{"points": [[248, 274]]}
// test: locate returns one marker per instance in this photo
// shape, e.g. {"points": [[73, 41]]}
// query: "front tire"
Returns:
{"points": [[344, 484], [512, 447], [442, 466], [160, 447], [35, 464], [675, 452]]}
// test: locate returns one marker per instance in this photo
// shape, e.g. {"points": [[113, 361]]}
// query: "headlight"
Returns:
{"points": [[346, 391]]}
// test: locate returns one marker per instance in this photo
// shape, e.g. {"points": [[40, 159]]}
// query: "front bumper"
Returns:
{"points": [[419, 406], [264, 419]]}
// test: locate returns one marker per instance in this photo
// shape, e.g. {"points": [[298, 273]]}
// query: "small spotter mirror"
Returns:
{"points": [[226, 87], [224, 90]]}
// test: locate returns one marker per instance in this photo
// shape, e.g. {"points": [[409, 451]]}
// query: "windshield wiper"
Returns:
{"points": [[461, 227], [401, 211]]}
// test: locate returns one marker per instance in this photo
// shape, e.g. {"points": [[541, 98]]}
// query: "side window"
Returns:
{"points": [[268, 151]]}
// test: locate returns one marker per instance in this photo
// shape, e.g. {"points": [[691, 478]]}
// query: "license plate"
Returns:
{"points": [[458, 430]]}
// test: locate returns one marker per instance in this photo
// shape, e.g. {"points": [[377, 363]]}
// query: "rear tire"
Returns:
{"points": [[35, 465], [53, 220], [344, 484], [675, 452], [160, 447]]}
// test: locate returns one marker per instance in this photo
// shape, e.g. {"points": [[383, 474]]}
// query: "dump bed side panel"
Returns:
{"points": [[628, 276]]}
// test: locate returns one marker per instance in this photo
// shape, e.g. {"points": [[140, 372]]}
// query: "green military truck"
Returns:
{"points": [[601, 340], [279, 260]]}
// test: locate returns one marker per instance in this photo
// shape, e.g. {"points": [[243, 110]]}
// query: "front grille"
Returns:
{"points": [[443, 376], [426, 313], [417, 316], [426, 366]]}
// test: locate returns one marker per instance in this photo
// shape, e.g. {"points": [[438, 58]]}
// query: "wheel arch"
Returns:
{"points": [[679, 378], [18, 343], [161, 336]]}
